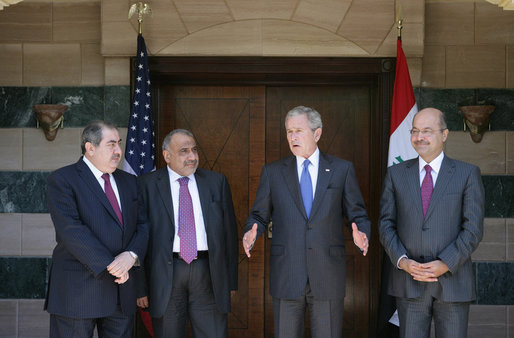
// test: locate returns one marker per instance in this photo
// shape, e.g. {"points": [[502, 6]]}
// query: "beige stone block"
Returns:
{"points": [[357, 25], [40, 154], [510, 242], [8, 317], [11, 72], [510, 152], [234, 38], [38, 235], [487, 321], [493, 244], [165, 26], [117, 71], [449, 23], [76, 21], [412, 42], [26, 22], [51, 64], [493, 25], [510, 67], [475, 66], [33, 321], [201, 14], [119, 38], [92, 65], [434, 65], [283, 38], [489, 154], [510, 319], [115, 10], [415, 65], [10, 149], [265, 9], [413, 11], [489, 331], [327, 14], [10, 235]]}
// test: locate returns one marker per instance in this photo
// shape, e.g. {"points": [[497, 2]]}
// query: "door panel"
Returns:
{"points": [[228, 124], [346, 113]]}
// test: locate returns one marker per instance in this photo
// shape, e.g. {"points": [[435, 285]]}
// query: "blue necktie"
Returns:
{"points": [[306, 188]]}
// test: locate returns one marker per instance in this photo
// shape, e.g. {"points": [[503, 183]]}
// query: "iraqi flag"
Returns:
{"points": [[403, 111]]}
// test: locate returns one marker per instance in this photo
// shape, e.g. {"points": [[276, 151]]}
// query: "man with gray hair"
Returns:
{"points": [[191, 266], [99, 237], [307, 196]]}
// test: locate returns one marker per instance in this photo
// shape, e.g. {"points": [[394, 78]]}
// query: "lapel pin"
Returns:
{"points": [[327, 169]]}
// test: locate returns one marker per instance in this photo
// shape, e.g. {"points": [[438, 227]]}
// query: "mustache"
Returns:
{"points": [[421, 142], [194, 162], [116, 157]]}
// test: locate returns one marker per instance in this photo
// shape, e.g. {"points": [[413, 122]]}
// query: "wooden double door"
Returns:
{"points": [[236, 109]]}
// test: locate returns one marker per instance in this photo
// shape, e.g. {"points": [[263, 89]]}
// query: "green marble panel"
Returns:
{"points": [[23, 277], [23, 192], [448, 101], [499, 196], [495, 283], [86, 104], [503, 116], [117, 105], [16, 105]]}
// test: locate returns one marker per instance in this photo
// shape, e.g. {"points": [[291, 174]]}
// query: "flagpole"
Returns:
{"points": [[141, 9]]}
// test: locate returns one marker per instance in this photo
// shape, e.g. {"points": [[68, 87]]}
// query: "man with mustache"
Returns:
{"points": [[431, 220], [93, 206], [191, 266], [307, 196]]}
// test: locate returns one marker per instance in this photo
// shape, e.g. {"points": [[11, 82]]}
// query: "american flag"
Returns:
{"points": [[140, 145]]}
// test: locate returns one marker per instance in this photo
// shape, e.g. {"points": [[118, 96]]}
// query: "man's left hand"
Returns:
{"points": [[360, 239], [121, 265], [432, 270]]}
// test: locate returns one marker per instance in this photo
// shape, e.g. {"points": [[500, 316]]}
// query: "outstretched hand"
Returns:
{"points": [[360, 239], [249, 239]]}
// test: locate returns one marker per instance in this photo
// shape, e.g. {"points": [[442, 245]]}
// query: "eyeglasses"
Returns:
{"points": [[424, 132]]}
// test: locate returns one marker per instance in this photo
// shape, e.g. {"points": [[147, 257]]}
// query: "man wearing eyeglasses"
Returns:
{"points": [[431, 220]]}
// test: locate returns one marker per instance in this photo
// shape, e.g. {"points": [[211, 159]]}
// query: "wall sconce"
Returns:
{"points": [[49, 117], [476, 119]]}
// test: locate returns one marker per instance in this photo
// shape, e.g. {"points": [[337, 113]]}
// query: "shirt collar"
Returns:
{"points": [[175, 176], [435, 164], [314, 159], [97, 173]]}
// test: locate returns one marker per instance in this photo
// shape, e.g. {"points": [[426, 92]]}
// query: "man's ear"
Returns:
{"points": [[317, 134]]}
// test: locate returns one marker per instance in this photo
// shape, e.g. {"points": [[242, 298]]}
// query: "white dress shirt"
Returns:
{"points": [[201, 235], [98, 175], [313, 168]]}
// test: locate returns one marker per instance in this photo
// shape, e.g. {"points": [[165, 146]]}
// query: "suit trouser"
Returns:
{"points": [[115, 326], [192, 298], [450, 318], [326, 316]]}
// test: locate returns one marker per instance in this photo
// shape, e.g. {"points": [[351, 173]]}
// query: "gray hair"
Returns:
{"points": [[313, 117], [167, 138], [442, 121], [93, 133]]}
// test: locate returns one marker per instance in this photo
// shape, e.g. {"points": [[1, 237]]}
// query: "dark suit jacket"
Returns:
{"points": [[89, 236], [308, 249], [220, 225], [451, 230]]}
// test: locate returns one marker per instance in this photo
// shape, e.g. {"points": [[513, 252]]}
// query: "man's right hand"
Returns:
{"points": [[417, 270], [142, 302], [249, 239]]}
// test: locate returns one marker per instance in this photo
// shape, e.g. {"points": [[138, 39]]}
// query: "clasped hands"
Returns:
{"points": [[359, 238], [423, 272], [120, 267]]}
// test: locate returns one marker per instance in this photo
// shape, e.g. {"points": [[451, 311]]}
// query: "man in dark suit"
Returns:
{"points": [[431, 220], [307, 196], [99, 238], [189, 275]]}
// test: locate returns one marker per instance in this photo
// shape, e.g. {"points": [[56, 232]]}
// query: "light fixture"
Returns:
{"points": [[50, 117], [505, 4]]}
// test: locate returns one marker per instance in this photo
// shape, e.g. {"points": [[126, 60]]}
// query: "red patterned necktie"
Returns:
{"points": [[186, 223], [112, 197], [427, 187]]}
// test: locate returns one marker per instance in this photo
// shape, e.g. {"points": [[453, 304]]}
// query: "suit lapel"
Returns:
{"points": [[443, 178], [290, 174], [164, 188], [412, 176], [203, 191], [92, 183], [324, 175]]}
